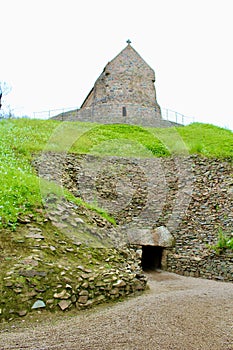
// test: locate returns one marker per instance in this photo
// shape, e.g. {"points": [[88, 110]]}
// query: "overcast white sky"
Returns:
{"points": [[52, 51]]}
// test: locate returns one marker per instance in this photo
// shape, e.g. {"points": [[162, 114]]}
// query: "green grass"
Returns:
{"points": [[20, 192], [120, 140], [207, 140], [21, 139]]}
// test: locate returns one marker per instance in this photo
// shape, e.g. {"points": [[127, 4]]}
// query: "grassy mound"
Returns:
{"points": [[21, 139], [44, 264]]}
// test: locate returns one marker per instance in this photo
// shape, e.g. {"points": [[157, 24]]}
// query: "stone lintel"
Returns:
{"points": [[160, 236]]}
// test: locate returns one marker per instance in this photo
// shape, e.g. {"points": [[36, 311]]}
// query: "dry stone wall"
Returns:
{"points": [[44, 281], [192, 197]]}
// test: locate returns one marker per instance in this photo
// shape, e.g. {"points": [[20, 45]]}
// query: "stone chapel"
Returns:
{"points": [[124, 93]]}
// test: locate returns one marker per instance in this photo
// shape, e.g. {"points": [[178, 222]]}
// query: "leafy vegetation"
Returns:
{"points": [[21, 139], [225, 241]]}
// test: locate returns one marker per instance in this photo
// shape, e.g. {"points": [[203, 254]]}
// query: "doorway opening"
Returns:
{"points": [[151, 257]]}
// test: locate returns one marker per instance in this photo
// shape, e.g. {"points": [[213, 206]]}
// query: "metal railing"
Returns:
{"points": [[176, 117], [52, 112], [167, 114]]}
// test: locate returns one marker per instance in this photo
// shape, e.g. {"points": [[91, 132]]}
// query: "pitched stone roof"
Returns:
{"points": [[126, 79]]}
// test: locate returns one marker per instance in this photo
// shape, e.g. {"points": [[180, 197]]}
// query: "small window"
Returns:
{"points": [[124, 113]]}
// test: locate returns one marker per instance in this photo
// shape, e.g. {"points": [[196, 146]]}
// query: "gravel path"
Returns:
{"points": [[177, 313]]}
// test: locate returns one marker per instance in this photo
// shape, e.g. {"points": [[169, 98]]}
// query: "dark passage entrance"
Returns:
{"points": [[151, 257]]}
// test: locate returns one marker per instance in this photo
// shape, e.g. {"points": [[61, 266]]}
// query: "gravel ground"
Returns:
{"points": [[177, 313]]}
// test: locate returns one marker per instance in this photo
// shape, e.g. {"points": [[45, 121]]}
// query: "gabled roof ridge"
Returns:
{"points": [[132, 48]]}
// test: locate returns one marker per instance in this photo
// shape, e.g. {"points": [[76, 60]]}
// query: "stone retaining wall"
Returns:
{"points": [[211, 266], [192, 197]]}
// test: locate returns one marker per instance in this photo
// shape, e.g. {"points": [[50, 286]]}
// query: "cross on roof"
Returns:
{"points": [[128, 41]]}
